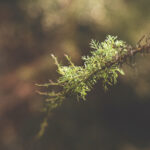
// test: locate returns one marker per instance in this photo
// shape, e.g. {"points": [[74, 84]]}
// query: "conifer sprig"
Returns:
{"points": [[104, 63]]}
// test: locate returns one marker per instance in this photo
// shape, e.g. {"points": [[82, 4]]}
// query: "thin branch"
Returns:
{"points": [[122, 59]]}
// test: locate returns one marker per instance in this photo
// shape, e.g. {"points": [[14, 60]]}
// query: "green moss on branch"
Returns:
{"points": [[104, 63]]}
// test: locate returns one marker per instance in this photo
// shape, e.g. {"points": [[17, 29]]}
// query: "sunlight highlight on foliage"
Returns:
{"points": [[79, 80], [103, 63]]}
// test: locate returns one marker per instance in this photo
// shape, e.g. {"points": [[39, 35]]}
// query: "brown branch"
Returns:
{"points": [[132, 51]]}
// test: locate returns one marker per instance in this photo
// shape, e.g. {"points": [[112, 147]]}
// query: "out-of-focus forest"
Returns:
{"points": [[29, 32]]}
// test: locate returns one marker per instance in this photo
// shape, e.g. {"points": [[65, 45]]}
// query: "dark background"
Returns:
{"points": [[29, 32]]}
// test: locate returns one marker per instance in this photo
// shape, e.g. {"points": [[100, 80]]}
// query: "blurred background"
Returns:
{"points": [[29, 32]]}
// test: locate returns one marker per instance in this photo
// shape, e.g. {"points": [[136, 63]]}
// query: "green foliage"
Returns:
{"points": [[103, 63], [79, 80]]}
